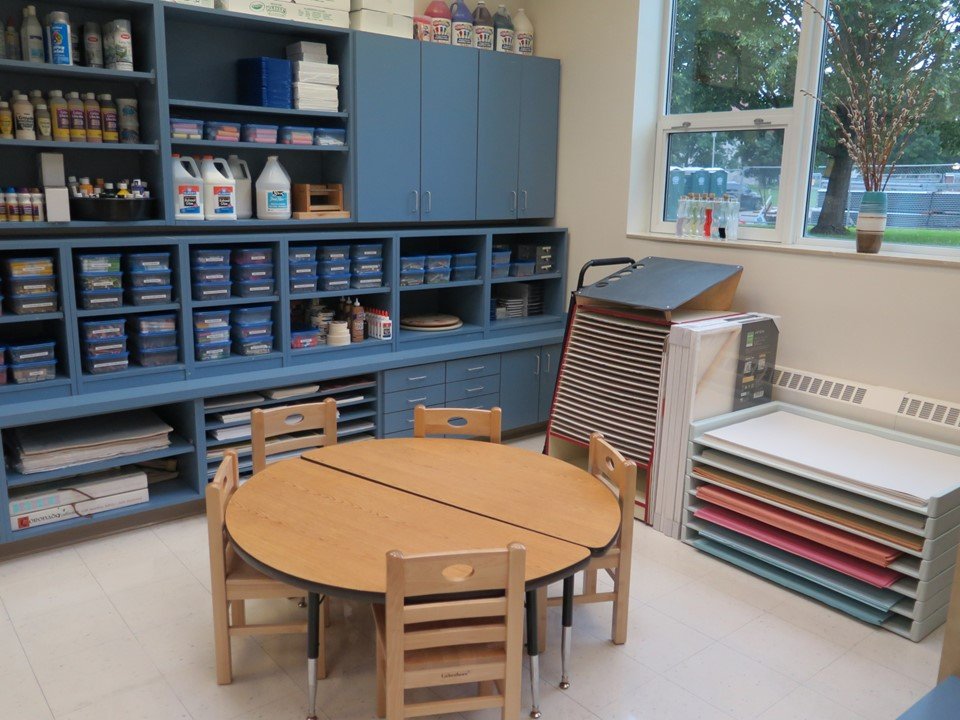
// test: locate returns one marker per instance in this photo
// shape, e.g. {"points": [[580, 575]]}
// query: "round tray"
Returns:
{"points": [[431, 323]]}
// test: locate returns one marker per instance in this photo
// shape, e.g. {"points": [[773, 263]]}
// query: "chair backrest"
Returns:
{"points": [[457, 421], [219, 491], [605, 463], [266, 424], [457, 579]]}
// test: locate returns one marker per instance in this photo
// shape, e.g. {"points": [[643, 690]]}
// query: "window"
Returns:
{"points": [[740, 119]]}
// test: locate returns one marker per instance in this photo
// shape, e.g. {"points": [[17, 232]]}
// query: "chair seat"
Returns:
{"points": [[246, 582]]}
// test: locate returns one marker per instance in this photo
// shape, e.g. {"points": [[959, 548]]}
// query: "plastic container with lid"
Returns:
{"points": [[212, 291], [108, 346], [32, 285], [211, 274], [155, 324], [436, 276], [329, 136], [413, 262], [186, 128], [100, 299], [409, 278], [254, 288], [253, 272], [206, 319], [370, 250], [221, 131], [295, 135], [304, 284], [210, 256], [32, 304], [102, 364], [151, 341], [211, 336], [260, 133], [501, 256], [333, 252], [367, 265], [28, 267], [500, 270], [33, 372], [151, 295], [467, 259], [253, 256], [254, 346], [300, 269], [364, 281], [333, 267], [213, 351], [100, 281], [149, 278], [522, 269], [252, 315], [247, 331], [331, 283], [138, 262], [100, 263], [465, 272], [303, 339], [302, 253], [102, 329], [34, 352], [156, 357], [438, 262]]}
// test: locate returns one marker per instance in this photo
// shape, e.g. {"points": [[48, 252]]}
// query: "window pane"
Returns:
{"points": [[744, 164], [923, 194], [733, 55]]}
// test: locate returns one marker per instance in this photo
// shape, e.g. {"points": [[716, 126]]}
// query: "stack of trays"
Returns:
{"points": [[155, 340], [315, 80], [265, 82], [101, 280], [29, 363], [31, 285], [104, 346], [246, 331], [303, 270]]}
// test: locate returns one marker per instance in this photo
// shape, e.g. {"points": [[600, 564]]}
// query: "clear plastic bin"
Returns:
{"points": [[295, 135], [221, 131], [32, 304], [333, 283], [248, 331], [32, 285], [246, 273], [254, 288], [210, 256], [437, 276], [160, 295], [367, 265], [468, 259], [252, 315], [141, 262], [211, 274], [303, 254], [253, 256], [333, 252], [409, 278], [259, 133], [254, 346], [149, 278], [333, 267], [102, 263], [33, 372], [110, 346], [303, 339], [156, 323], [103, 329], [100, 299], [501, 256], [363, 281], [103, 364], [304, 284], [33, 353], [438, 262], [100, 281], [152, 341], [212, 336], [212, 291], [303, 269], [29, 267], [213, 351], [329, 136], [459, 274], [371, 250], [522, 269], [500, 270], [206, 319], [413, 262], [156, 357]]}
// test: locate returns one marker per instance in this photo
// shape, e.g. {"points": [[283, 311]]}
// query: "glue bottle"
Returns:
{"points": [[219, 189]]}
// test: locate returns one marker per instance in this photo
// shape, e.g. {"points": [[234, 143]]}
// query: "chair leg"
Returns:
{"points": [[221, 640], [381, 682], [238, 613], [621, 607], [322, 644], [542, 618], [326, 612], [589, 582]]}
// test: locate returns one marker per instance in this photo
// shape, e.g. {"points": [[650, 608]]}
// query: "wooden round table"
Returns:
{"points": [[326, 521]]}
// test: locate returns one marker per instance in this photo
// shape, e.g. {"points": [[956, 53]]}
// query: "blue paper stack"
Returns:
{"points": [[265, 82]]}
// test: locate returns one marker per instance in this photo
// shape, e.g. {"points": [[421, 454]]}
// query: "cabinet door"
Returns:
{"points": [[498, 136], [549, 367], [387, 128], [448, 133], [539, 128], [520, 388]]}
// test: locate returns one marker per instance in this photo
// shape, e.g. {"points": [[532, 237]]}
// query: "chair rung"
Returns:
{"points": [[584, 599], [453, 675], [290, 629], [467, 704], [450, 637], [463, 610]]}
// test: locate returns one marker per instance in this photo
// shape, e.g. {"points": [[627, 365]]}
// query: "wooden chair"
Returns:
{"points": [[441, 421], [950, 655], [608, 465], [233, 581], [456, 640], [266, 424]]}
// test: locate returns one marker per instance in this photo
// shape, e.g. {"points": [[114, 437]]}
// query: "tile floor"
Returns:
{"points": [[120, 628]]}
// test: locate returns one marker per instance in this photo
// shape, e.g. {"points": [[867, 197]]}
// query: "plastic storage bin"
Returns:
{"points": [[102, 329], [211, 274], [254, 346], [160, 295], [500, 270], [212, 336], [212, 291], [329, 136], [438, 262], [102, 364], [149, 278], [333, 267], [302, 339], [32, 304], [331, 283], [333, 252], [254, 288], [367, 265], [109, 346], [32, 285], [302, 254], [213, 351], [152, 341], [221, 131], [501, 256], [210, 256], [155, 323], [33, 353], [108, 263], [100, 299], [28, 267], [304, 284], [156, 357], [466, 272], [413, 262], [140, 262], [203, 320], [100, 281], [468, 259], [248, 331], [252, 315], [301, 269], [246, 273], [33, 372], [366, 251], [186, 128], [522, 269], [295, 135], [362, 281], [259, 133], [411, 277], [253, 256], [439, 275]]}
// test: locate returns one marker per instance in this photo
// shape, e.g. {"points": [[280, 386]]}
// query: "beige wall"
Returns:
{"points": [[883, 323]]}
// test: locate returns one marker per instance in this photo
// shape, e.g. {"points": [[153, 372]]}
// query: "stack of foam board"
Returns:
{"points": [[316, 81], [385, 17], [89, 495], [334, 13], [860, 518]]}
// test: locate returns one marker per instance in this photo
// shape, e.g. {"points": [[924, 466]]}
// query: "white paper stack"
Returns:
{"points": [[315, 80], [385, 17]]}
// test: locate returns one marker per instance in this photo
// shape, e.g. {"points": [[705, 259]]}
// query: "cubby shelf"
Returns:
{"points": [[57, 145], [133, 371], [411, 336], [128, 310], [529, 278], [230, 302], [511, 323], [341, 293], [31, 388], [21, 67], [440, 286], [199, 105], [38, 317], [223, 18], [369, 343], [223, 144], [238, 359]]}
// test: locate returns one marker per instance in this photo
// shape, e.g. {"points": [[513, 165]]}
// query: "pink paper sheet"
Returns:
{"points": [[815, 552]]}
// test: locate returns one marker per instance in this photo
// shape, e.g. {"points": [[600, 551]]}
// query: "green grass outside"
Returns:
{"points": [[911, 236]]}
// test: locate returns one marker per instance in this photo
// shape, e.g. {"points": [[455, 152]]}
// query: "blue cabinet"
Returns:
{"points": [[387, 146], [448, 133], [517, 137], [549, 367], [520, 388]]}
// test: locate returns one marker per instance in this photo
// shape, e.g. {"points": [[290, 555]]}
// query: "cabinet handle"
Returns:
{"points": [[428, 201], [415, 379], [513, 201], [524, 205], [416, 201], [411, 401], [479, 389], [537, 371], [477, 369], [548, 363]]}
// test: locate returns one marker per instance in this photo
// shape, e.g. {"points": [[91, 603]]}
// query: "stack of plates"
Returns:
{"points": [[431, 323]]}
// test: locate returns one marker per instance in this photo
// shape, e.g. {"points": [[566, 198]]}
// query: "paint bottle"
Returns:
{"points": [[109, 119], [524, 33], [461, 24], [273, 192], [13, 205], [92, 118], [36, 98], [31, 36], [6, 121], [43, 122], [503, 29], [39, 211], [187, 189], [92, 45], [483, 33], [59, 116], [440, 21], [358, 322], [23, 120], [241, 174], [78, 123], [59, 48], [26, 204], [118, 45], [12, 38], [219, 189]]}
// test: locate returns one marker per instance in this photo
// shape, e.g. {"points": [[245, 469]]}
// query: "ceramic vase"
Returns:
{"points": [[871, 222]]}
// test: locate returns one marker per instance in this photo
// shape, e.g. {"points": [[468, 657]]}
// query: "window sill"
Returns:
{"points": [[890, 256]]}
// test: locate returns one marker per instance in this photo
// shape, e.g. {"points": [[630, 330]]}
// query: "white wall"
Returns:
{"points": [[884, 323]]}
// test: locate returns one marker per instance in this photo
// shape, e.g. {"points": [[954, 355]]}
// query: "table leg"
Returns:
{"points": [[313, 652], [567, 637], [533, 652]]}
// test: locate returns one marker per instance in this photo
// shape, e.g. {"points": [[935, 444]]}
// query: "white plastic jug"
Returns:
{"points": [[273, 192], [219, 189], [523, 41], [187, 189], [241, 175]]}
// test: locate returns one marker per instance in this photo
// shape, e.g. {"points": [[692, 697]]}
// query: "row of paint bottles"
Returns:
{"points": [[218, 189], [456, 25], [60, 118], [706, 216]]}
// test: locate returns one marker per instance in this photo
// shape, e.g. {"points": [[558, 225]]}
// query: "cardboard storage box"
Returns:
{"points": [[338, 5], [398, 7], [287, 11], [195, 3], [382, 23]]}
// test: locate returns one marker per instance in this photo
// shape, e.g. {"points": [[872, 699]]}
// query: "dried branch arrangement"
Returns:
{"points": [[875, 115]]}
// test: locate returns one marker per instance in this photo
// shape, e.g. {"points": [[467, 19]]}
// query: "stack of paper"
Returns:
{"points": [[315, 80], [40, 448]]}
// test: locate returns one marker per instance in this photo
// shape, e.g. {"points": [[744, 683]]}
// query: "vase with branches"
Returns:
{"points": [[876, 114]]}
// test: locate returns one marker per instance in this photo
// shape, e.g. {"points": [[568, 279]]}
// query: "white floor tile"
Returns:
{"points": [[804, 704], [659, 641], [153, 701], [822, 620], [706, 608], [660, 700], [650, 579], [47, 594], [919, 661], [20, 693], [876, 692], [161, 602]]}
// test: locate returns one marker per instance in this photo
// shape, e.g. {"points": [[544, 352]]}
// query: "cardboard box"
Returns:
{"points": [[58, 204], [80, 509], [338, 5], [280, 10], [304, 50], [195, 3], [382, 23], [398, 7], [89, 487]]}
